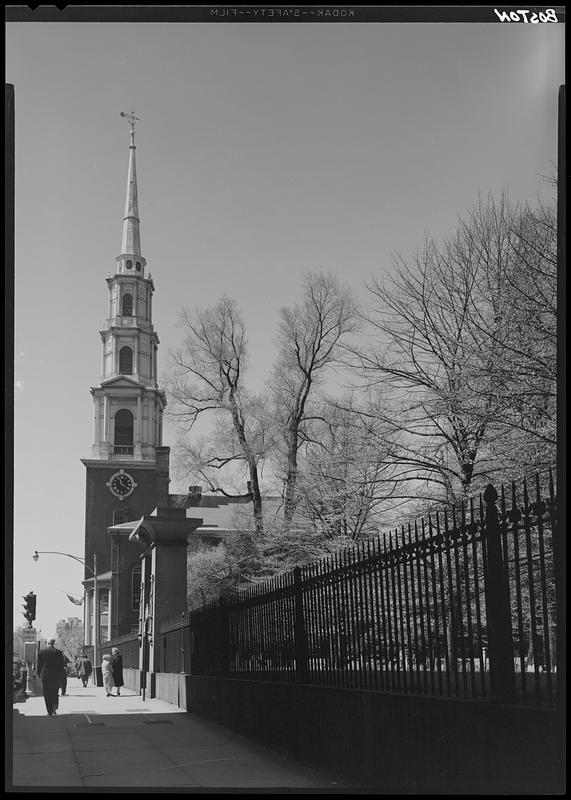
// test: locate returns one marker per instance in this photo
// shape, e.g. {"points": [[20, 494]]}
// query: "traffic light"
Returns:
{"points": [[30, 608]]}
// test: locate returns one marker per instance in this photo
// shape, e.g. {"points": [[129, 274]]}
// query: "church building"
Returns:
{"points": [[127, 474]]}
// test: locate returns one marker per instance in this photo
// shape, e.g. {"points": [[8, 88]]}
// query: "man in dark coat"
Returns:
{"points": [[117, 668], [84, 670], [51, 670]]}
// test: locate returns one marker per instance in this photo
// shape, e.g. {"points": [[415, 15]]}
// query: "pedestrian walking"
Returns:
{"points": [[117, 668], [51, 669], [107, 672], [84, 670], [64, 678]]}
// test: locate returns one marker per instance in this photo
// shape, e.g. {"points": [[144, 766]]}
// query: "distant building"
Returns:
{"points": [[22, 636], [65, 627], [221, 516]]}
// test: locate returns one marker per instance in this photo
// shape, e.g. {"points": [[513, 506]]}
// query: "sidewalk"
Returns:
{"points": [[124, 741]]}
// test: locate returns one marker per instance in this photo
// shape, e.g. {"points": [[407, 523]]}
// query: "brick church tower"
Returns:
{"points": [[127, 475]]}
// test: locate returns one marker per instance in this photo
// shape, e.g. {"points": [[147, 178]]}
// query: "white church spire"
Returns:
{"points": [[131, 240]]}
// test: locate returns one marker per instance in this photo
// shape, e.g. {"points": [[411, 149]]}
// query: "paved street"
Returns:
{"points": [[99, 741]]}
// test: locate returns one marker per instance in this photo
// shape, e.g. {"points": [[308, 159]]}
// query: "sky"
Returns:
{"points": [[264, 151]]}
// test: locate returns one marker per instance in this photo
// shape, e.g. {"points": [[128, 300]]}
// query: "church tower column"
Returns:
{"points": [[136, 359], [96, 419], [139, 427], [114, 366], [106, 418]]}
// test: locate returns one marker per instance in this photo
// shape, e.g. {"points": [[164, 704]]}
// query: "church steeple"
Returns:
{"points": [[128, 402], [130, 260], [131, 241]]}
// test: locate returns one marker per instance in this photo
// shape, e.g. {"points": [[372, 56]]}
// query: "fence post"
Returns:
{"points": [[498, 612], [300, 636], [223, 636]]}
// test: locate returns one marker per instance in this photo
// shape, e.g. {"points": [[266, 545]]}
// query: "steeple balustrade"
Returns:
{"points": [[122, 450], [123, 322], [133, 321]]}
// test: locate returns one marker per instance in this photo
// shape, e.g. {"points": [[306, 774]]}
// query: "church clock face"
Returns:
{"points": [[121, 484]]}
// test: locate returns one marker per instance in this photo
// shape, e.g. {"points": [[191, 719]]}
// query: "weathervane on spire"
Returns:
{"points": [[131, 118]]}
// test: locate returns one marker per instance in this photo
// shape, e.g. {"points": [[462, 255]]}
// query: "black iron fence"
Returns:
{"points": [[176, 644], [459, 603]]}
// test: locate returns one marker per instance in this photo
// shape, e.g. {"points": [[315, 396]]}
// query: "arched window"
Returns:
{"points": [[123, 432], [136, 587], [138, 266], [125, 361], [127, 305], [129, 264]]}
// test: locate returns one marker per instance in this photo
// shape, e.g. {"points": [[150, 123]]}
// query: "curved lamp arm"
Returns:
{"points": [[57, 553]]}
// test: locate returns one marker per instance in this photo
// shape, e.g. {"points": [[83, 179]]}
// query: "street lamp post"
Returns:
{"points": [[93, 571]]}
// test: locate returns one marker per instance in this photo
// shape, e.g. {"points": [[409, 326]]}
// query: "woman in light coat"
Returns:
{"points": [[107, 672]]}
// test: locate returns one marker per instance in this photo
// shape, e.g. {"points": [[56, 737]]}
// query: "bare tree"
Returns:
{"points": [[519, 359], [441, 325], [70, 641], [207, 378], [346, 473], [310, 338]]}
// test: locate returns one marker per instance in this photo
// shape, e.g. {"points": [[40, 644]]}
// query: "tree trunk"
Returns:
{"points": [[256, 496], [291, 480], [252, 464]]}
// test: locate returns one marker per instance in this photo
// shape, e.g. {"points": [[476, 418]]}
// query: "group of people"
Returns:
{"points": [[112, 670], [52, 671]]}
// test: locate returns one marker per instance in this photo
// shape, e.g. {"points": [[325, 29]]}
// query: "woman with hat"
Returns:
{"points": [[117, 667]]}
